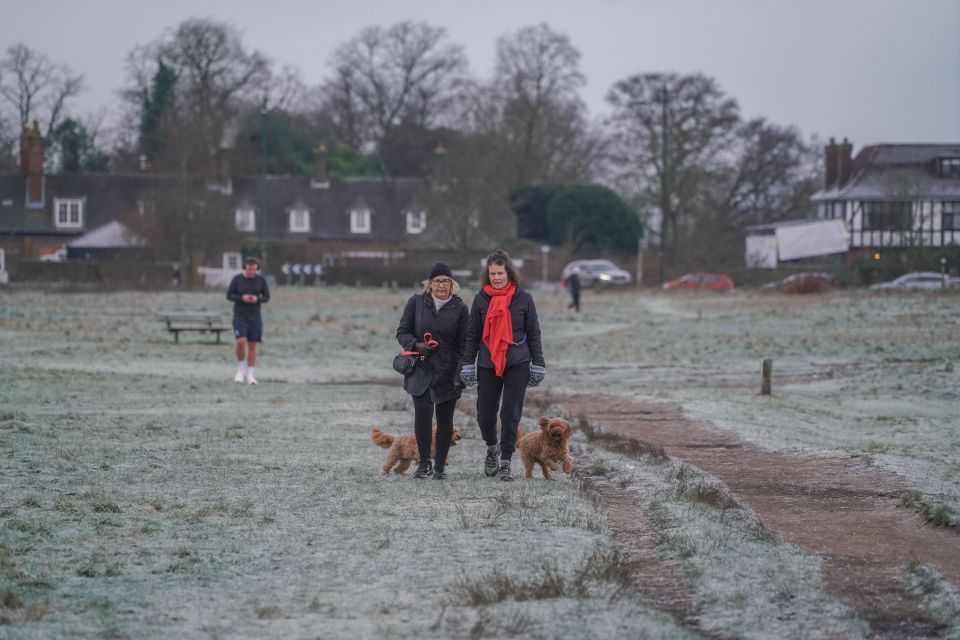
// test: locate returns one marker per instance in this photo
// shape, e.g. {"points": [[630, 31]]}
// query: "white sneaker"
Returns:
{"points": [[240, 376], [251, 379]]}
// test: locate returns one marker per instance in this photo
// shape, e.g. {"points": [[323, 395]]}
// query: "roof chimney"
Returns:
{"points": [[830, 164], [844, 161], [225, 169], [220, 176], [320, 179], [440, 170], [31, 163]]}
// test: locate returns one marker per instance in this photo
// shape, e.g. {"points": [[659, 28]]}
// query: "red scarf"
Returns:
{"points": [[498, 326]]}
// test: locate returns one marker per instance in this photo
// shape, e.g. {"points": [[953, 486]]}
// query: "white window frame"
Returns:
{"points": [[146, 207], [232, 261], [246, 219], [73, 210], [299, 220], [416, 221], [360, 220]]}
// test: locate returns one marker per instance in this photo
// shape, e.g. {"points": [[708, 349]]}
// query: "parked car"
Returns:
{"points": [[597, 273], [918, 280], [701, 280], [805, 282]]}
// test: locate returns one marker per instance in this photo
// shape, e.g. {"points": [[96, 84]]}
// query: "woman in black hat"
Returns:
{"points": [[438, 336]]}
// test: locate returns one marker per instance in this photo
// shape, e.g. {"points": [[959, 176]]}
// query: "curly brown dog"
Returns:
{"points": [[402, 450], [547, 447]]}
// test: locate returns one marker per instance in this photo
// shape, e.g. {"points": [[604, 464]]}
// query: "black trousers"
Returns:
{"points": [[574, 300], [505, 395], [423, 409]]}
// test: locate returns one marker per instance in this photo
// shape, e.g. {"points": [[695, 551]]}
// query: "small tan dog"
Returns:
{"points": [[402, 450], [547, 447]]}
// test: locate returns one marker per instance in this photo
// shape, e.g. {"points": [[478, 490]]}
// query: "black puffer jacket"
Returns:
{"points": [[526, 345], [448, 327]]}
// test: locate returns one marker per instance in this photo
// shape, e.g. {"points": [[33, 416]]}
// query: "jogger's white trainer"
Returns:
{"points": [[240, 376], [251, 379]]}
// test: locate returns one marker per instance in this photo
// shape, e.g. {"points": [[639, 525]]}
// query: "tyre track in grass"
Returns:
{"points": [[659, 582], [846, 512]]}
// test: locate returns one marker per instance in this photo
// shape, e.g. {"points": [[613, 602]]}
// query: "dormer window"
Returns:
{"points": [[246, 219], [949, 167], [146, 207], [360, 220], [299, 220], [416, 222], [68, 213]]}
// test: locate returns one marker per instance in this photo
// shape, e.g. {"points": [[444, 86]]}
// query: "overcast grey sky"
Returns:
{"points": [[870, 70]]}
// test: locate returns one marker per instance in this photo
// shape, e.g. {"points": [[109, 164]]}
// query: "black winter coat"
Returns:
{"points": [[526, 346], [448, 327]]}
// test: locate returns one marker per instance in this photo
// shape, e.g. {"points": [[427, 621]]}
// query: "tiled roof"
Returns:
{"points": [[886, 171], [111, 197], [329, 208]]}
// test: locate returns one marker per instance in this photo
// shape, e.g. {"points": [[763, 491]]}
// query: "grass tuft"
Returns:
{"points": [[267, 613], [599, 468], [100, 503], [603, 568], [9, 599], [619, 444], [939, 514]]}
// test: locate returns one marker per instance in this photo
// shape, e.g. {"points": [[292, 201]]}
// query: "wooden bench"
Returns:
{"points": [[200, 321]]}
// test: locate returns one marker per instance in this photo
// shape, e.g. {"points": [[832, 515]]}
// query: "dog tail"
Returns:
{"points": [[381, 439]]}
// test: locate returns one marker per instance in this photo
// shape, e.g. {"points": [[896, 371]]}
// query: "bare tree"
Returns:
{"points": [[540, 120], [215, 75], [668, 132], [772, 176], [464, 210], [406, 73], [285, 92], [34, 88]]}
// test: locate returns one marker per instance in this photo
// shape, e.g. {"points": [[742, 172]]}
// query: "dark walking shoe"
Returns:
{"points": [[492, 462], [424, 469], [504, 471], [439, 473]]}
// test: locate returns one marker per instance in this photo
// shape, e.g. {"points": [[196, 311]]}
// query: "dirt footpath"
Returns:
{"points": [[842, 510]]}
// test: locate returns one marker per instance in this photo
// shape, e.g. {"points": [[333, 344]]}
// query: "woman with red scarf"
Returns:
{"points": [[503, 329]]}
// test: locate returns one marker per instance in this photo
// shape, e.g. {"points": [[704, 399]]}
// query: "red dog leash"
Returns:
{"points": [[428, 340]]}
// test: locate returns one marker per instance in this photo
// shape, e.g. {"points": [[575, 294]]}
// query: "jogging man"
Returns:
{"points": [[248, 290]]}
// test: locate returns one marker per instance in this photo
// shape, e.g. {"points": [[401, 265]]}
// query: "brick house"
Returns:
{"points": [[352, 222]]}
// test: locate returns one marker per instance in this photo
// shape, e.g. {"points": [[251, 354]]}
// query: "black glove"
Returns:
{"points": [[423, 348]]}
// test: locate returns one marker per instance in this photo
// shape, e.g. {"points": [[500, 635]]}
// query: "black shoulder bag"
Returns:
{"points": [[406, 361]]}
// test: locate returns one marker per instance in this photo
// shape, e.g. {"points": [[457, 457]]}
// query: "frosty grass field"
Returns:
{"points": [[145, 495]]}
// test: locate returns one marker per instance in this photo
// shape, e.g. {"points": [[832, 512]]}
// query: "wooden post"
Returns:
{"points": [[766, 373]]}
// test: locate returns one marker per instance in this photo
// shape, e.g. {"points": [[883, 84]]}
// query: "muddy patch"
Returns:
{"points": [[843, 510]]}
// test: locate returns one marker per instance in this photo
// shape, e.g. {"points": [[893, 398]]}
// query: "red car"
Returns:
{"points": [[700, 280]]}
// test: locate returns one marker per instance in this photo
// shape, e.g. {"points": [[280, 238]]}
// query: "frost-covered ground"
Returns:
{"points": [[855, 373], [146, 495]]}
